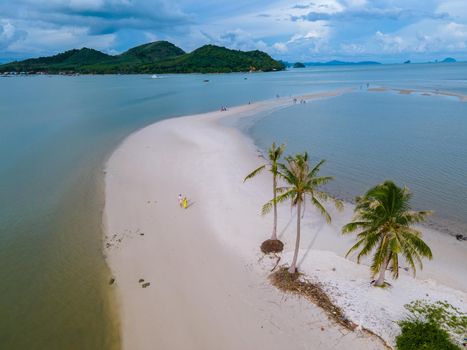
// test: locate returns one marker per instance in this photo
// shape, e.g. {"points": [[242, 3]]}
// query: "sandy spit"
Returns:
{"points": [[207, 279]]}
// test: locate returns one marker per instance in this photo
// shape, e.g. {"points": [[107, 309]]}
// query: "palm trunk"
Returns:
{"points": [[274, 228], [380, 281], [293, 267]]}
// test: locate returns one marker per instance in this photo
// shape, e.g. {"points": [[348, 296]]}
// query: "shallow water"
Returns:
{"points": [[368, 137], [55, 135]]}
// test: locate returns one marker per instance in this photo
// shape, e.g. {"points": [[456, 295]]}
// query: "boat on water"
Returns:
{"points": [[154, 76]]}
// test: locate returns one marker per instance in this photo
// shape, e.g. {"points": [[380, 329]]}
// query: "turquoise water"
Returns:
{"points": [[55, 135], [368, 137]]}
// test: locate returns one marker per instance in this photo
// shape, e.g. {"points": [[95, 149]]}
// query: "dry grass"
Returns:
{"points": [[291, 283]]}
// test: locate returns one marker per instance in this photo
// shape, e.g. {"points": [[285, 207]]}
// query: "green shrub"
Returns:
{"points": [[419, 335], [441, 313], [431, 326]]}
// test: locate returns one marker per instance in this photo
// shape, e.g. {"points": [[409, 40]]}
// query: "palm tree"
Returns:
{"points": [[274, 155], [384, 219], [302, 183]]}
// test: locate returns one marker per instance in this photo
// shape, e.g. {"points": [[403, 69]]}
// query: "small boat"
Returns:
{"points": [[206, 80], [154, 76]]}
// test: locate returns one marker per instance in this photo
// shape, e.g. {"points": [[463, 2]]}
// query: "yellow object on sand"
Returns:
{"points": [[185, 203]]}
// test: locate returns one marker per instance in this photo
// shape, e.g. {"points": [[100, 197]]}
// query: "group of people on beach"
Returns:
{"points": [[223, 108], [301, 101], [182, 201]]}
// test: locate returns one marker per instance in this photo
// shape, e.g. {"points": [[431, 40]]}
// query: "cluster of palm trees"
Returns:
{"points": [[383, 217]]}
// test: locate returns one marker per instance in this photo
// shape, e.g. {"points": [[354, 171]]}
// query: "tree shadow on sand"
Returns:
{"points": [[286, 226], [312, 242]]}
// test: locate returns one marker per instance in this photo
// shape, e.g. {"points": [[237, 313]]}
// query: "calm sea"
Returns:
{"points": [[56, 133]]}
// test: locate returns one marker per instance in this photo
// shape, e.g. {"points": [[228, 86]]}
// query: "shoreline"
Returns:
{"points": [[205, 277], [428, 93]]}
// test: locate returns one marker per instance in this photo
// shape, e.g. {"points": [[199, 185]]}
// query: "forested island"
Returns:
{"points": [[152, 58]]}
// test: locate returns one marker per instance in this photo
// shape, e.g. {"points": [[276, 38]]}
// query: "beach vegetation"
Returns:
{"points": [[417, 334], [384, 219], [437, 325], [302, 183], [446, 316], [272, 245]]}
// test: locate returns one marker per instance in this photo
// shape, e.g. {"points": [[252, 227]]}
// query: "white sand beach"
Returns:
{"points": [[208, 280]]}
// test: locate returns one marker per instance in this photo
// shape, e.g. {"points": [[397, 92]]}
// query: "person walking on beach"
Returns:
{"points": [[185, 203], [180, 200]]}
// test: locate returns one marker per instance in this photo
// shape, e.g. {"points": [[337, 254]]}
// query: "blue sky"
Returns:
{"points": [[317, 30]]}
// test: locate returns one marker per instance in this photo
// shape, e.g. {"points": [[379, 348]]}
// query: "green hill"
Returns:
{"points": [[156, 51], [72, 59], [215, 59], [156, 57]]}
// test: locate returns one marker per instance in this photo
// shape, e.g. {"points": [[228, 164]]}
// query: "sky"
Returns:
{"points": [[318, 30]]}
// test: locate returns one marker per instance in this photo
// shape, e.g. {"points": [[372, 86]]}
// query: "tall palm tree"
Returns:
{"points": [[384, 219], [302, 183], [274, 155]]}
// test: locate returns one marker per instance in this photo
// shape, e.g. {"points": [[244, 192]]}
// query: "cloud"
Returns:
{"points": [[390, 43], [455, 8], [105, 16], [305, 30], [372, 14], [427, 38], [9, 34], [236, 39], [302, 6], [280, 47]]}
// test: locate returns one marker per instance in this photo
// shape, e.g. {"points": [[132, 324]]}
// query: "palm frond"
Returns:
{"points": [[371, 239], [254, 172], [355, 247], [353, 226], [316, 168], [324, 196], [321, 209], [279, 199]]}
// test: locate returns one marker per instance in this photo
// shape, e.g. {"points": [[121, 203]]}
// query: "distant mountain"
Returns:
{"points": [[449, 60], [340, 63], [298, 65], [156, 57]]}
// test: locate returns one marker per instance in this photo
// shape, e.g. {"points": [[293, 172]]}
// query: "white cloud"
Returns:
{"points": [[390, 43], [9, 34], [355, 3], [53, 40], [280, 47], [455, 8]]}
